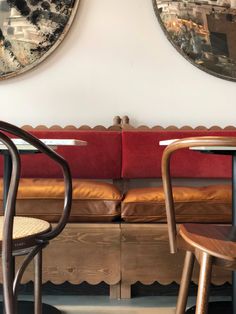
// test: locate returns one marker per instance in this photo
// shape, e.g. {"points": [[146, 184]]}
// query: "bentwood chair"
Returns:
{"points": [[207, 243], [25, 235]]}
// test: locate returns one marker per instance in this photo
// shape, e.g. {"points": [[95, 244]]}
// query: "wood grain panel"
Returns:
{"points": [[146, 258], [92, 253], [83, 252]]}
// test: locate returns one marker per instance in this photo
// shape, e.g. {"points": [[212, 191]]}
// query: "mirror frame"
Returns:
{"points": [[205, 69], [58, 41]]}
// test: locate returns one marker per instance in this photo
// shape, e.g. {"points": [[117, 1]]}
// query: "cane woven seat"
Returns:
{"points": [[25, 230], [26, 227]]}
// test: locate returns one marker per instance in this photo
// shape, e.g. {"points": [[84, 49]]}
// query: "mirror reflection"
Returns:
{"points": [[204, 31], [29, 29]]}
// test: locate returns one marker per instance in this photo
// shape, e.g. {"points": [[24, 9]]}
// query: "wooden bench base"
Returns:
{"points": [[117, 254], [83, 252], [145, 257]]}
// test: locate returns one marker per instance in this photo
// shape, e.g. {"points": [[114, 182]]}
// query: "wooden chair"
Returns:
{"points": [[26, 236], [207, 243]]}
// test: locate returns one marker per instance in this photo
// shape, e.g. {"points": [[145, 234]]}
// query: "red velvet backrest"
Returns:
{"points": [[100, 159], [141, 156]]}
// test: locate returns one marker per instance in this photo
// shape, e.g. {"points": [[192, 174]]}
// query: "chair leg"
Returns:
{"points": [[185, 281], [204, 283], [38, 283], [9, 302]]}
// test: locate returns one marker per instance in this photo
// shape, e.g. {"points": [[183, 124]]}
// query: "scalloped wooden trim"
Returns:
{"points": [[72, 128], [128, 127], [76, 281], [216, 281], [117, 126], [123, 124]]}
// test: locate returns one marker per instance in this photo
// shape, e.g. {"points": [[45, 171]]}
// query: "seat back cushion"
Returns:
{"points": [[142, 156], [100, 159]]}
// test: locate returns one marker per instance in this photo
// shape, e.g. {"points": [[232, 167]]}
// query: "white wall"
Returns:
{"points": [[116, 61]]}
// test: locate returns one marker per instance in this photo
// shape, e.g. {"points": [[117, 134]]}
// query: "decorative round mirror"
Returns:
{"points": [[30, 30], [203, 31]]}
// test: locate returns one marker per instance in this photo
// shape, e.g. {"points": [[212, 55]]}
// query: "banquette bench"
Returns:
{"points": [[202, 193], [117, 232]]}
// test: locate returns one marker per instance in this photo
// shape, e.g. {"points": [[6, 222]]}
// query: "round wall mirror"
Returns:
{"points": [[203, 31], [30, 30]]}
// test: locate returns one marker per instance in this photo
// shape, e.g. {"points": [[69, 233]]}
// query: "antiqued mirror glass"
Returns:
{"points": [[30, 30], [203, 31]]}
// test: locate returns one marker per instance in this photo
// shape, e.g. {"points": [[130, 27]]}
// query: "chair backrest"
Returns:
{"points": [[9, 206], [206, 141], [9, 210], [41, 147]]}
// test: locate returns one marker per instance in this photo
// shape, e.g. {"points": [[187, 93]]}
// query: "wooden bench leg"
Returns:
{"points": [[115, 291], [125, 291]]}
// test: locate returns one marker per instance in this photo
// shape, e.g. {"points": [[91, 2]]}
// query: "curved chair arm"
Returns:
{"points": [[7, 244], [41, 147], [215, 141]]}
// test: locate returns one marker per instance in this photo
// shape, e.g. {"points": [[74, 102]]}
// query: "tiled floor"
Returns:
{"points": [[103, 305]]}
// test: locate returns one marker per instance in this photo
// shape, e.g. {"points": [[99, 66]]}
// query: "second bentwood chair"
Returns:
{"points": [[25, 235], [207, 243]]}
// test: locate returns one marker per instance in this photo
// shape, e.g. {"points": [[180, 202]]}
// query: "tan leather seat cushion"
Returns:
{"points": [[192, 204], [93, 201]]}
